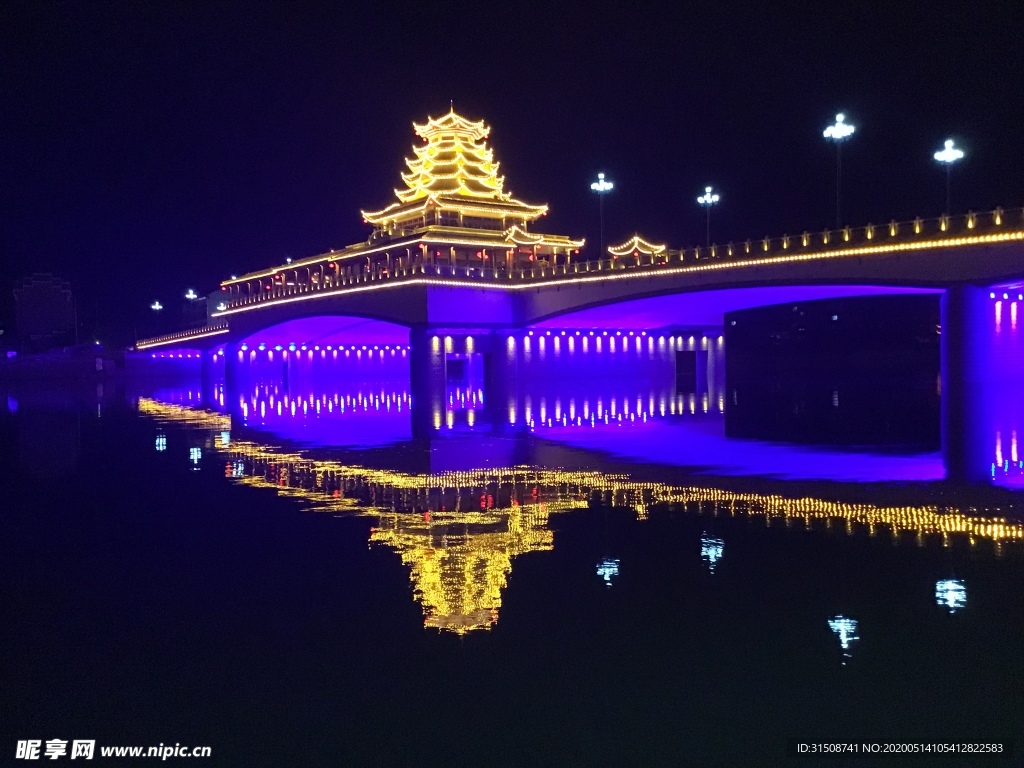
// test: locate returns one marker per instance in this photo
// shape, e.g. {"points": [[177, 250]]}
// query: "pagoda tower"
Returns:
{"points": [[451, 214], [453, 189]]}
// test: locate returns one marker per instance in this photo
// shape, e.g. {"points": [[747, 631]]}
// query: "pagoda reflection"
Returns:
{"points": [[459, 563], [458, 532]]}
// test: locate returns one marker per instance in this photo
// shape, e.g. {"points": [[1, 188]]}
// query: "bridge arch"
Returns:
{"points": [[321, 329], [698, 308]]}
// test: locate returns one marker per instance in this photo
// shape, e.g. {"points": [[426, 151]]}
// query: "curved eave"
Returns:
{"points": [[518, 237], [637, 244], [452, 123], [395, 209]]}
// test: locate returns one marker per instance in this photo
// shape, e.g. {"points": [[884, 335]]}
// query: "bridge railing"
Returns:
{"points": [[871, 236], [213, 329], [916, 233]]}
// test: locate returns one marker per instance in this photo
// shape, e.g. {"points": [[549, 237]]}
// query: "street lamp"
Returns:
{"points": [[602, 187], [156, 306], [838, 132], [707, 200], [948, 156], [191, 295]]}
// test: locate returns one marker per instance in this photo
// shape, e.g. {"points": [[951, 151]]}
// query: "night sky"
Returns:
{"points": [[150, 147]]}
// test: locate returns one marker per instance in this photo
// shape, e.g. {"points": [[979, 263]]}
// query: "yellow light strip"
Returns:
{"points": [[160, 341]]}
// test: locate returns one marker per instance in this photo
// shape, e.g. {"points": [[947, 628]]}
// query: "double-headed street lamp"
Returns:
{"points": [[602, 187], [156, 306], [947, 156], [708, 199], [191, 295], [838, 133]]}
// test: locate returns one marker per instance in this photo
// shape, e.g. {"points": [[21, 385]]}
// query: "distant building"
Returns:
{"points": [[44, 312]]}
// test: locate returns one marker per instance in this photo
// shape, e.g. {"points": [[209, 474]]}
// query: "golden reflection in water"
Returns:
{"points": [[458, 532], [460, 566]]}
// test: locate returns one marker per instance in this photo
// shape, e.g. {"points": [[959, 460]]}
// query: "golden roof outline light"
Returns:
{"points": [[455, 124], [520, 237], [637, 244]]}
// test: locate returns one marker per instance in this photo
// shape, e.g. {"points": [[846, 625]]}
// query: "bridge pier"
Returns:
{"points": [[439, 358], [701, 370], [427, 380], [231, 364], [207, 374], [966, 375]]}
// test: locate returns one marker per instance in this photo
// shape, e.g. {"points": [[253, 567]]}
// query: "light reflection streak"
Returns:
{"points": [[711, 549], [951, 594], [846, 630]]}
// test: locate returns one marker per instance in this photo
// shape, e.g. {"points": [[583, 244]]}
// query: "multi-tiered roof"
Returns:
{"points": [[454, 171]]}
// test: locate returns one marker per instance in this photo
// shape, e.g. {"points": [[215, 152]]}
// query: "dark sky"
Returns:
{"points": [[149, 147]]}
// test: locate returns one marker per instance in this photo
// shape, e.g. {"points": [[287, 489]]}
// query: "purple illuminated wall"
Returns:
{"points": [[707, 309], [1002, 390]]}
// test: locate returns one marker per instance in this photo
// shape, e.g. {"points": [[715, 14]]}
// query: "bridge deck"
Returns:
{"points": [[870, 253]]}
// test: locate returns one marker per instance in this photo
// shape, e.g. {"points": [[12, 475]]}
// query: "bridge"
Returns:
{"points": [[975, 261], [670, 289]]}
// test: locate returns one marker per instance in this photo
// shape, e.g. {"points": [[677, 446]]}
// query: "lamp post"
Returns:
{"points": [[708, 199], [601, 187], [156, 306], [839, 132], [191, 295], [947, 156]]}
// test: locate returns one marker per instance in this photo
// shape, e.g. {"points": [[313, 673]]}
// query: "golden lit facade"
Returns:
{"points": [[453, 212], [458, 532]]}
